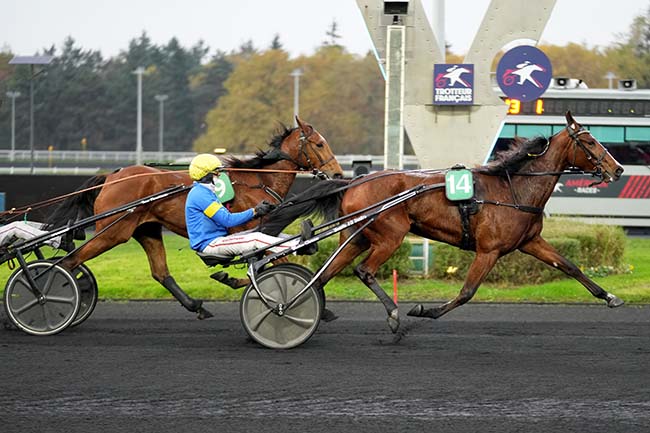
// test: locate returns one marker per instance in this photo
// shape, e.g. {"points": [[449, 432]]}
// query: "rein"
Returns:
{"points": [[261, 185], [51, 201], [354, 182], [27, 208]]}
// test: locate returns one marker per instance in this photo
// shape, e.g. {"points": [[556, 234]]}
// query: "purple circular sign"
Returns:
{"points": [[524, 73]]}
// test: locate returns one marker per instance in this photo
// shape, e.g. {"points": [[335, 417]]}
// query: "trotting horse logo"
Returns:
{"points": [[524, 73], [453, 84]]}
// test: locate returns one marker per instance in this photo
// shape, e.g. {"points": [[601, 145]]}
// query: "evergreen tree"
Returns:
{"points": [[121, 101], [207, 86], [633, 56], [332, 35], [275, 43]]}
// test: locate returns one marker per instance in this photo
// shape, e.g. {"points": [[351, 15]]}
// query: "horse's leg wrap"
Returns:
{"points": [[369, 280], [193, 305], [233, 283], [419, 311], [327, 315]]}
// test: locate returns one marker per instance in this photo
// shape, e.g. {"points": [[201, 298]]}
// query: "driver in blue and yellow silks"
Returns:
{"points": [[208, 220]]}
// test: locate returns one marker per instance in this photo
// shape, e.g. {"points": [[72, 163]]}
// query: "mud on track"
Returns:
{"points": [[151, 367]]}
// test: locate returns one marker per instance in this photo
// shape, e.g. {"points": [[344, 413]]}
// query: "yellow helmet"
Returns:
{"points": [[203, 164]]}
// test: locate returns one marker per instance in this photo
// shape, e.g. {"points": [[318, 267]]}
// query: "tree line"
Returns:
{"points": [[236, 100]]}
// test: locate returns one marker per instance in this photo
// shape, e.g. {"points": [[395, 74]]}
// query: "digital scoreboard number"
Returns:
{"points": [[579, 107], [514, 106]]}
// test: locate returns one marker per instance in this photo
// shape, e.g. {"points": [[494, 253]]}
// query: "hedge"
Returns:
{"points": [[399, 261], [596, 249]]}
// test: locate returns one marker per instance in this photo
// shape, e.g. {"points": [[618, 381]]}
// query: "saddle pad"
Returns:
{"points": [[459, 184]]}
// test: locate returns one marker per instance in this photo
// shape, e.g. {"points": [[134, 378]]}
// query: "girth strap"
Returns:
{"points": [[467, 208]]}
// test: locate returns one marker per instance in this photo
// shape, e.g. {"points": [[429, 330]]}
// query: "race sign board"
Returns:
{"points": [[524, 73], [459, 185], [223, 188], [453, 84]]}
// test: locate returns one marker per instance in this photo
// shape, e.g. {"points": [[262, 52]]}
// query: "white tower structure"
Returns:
{"points": [[443, 135]]}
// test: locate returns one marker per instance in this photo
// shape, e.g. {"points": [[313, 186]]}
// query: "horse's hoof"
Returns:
{"points": [[203, 314], [393, 320], [416, 311], [614, 301], [328, 316]]}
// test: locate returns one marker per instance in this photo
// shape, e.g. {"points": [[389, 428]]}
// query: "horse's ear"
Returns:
{"points": [[571, 122], [306, 128]]}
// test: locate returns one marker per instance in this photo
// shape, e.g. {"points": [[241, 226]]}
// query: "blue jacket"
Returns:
{"points": [[207, 219]]}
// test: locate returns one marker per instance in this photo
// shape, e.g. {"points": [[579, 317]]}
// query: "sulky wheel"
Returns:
{"points": [[307, 273], [50, 313], [294, 325], [88, 293]]}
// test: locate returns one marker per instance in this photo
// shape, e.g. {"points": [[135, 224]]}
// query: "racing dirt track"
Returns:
{"points": [[151, 367]]}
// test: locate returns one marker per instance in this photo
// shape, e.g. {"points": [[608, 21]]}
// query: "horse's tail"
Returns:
{"points": [[77, 206], [322, 199]]}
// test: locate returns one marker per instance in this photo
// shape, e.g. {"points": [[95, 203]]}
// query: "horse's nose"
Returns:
{"points": [[618, 172]]}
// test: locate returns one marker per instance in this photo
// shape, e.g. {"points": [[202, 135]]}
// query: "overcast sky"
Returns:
{"points": [[108, 25]]}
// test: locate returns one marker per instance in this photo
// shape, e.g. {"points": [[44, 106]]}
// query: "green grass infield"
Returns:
{"points": [[123, 273]]}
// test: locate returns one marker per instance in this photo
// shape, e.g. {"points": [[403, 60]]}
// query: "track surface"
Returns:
{"points": [[151, 367]]}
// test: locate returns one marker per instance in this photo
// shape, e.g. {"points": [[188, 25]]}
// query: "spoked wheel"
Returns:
{"points": [[88, 293], [46, 315], [295, 324]]}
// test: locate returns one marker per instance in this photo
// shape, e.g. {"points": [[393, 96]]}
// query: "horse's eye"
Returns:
{"points": [[319, 144]]}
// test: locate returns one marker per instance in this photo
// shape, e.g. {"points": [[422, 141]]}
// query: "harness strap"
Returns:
{"points": [[272, 193], [521, 207], [467, 208]]}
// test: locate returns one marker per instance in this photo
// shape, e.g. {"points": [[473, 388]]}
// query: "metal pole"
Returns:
{"points": [[161, 127], [13, 95], [394, 97], [296, 73], [31, 61], [438, 26], [31, 118], [138, 147], [161, 123]]}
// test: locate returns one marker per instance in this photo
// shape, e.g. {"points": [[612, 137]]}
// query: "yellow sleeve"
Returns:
{"points": [[212, 209]]}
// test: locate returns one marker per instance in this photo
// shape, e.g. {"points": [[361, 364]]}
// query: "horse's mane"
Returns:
{"points": [[262, 158], [517, 155]]}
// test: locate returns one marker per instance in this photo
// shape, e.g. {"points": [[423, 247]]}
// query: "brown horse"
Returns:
{"points": [[298, 149], [504, 215]]}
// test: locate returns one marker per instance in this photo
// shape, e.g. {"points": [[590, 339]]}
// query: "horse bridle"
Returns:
{"points": [[304, 142], [575, 136], [310, 167]]}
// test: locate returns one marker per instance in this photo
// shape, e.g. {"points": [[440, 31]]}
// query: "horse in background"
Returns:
{"points": [[297, 149], [506, 213]]}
